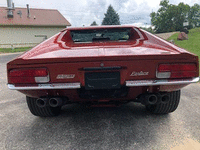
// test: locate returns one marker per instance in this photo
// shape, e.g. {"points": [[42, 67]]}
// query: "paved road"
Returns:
{"points": [[126, 127], [165, 35]]}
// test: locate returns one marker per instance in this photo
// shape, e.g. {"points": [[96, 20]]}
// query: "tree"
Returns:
{"points": [[194, 16], [111, 17], [170, 17], [181, 16], [94, 24], [163, 19], [149, 29]]}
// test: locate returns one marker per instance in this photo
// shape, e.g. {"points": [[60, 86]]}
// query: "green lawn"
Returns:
{"points": [[10, 50], [192, 44]]}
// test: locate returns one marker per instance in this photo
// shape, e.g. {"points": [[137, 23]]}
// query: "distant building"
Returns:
{"points": [[27, 27]]}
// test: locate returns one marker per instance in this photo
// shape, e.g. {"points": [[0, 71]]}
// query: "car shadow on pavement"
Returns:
{"points": [[127, 126]]}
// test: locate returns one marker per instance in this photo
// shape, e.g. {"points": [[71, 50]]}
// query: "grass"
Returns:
{"points": [[192, 44], [10, 50]]}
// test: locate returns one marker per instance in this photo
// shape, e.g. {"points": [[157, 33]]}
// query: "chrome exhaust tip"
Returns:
{"points": [[149, 99], [152, 99], [55, 102], [165, 99], [41, 102]]}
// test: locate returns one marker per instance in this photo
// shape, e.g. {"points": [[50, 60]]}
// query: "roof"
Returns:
{"points": [[38, 17]]}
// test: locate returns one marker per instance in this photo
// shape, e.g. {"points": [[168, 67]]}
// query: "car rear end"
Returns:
{"points": [[101, 70]]}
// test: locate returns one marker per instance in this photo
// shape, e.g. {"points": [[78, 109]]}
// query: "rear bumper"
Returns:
{"points": [[128, 84], [161, 82], [46, 86]]}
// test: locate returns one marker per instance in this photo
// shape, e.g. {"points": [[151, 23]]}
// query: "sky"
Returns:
{"points": [[84, 12]]}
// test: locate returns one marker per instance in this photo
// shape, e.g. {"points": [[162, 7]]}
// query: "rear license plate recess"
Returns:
{"points": [[102, 80]]}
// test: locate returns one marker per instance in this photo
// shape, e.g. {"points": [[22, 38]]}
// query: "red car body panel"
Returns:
{"points": [[140, 54]]}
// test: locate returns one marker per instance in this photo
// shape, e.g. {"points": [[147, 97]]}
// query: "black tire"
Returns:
{"points": [[168, 107], [46, 111]]}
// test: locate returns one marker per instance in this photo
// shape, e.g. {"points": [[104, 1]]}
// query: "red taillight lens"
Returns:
{"points": [[177, 70], [27, 75], [177, 67], [28, 72], [164, 68]]}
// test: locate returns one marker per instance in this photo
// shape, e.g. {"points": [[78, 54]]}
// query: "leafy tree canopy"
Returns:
{"points": [[194, 16], [111, 17], [170, 17]]}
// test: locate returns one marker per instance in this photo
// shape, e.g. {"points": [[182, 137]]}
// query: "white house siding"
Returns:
{"points": [[25, 36]]}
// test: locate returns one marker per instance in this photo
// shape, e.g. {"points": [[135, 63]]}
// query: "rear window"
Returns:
{"points": [[85, 36]]}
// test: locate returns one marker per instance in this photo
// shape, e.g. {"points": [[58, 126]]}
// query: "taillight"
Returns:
{"points": [[28, 72], [176, 70], [36, 75]]}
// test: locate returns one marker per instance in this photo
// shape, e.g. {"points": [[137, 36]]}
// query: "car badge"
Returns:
{"points": [[65, 76], [141, 73]]}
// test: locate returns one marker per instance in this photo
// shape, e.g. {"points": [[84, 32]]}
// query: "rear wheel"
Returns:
{"points": [[46, 111], [164, 108]]}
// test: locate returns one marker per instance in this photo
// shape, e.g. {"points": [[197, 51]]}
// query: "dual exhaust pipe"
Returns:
{"points": [[146, 99], [152, 99], [53, 102]]}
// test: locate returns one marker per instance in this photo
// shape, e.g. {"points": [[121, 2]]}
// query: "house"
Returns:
{"points": [[27, 27]]}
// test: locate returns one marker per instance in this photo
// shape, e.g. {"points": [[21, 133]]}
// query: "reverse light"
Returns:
{"points": [[36, 75], [176, 70]]}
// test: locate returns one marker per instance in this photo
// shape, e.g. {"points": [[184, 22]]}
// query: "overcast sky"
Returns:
{"points": [[84, 12]]}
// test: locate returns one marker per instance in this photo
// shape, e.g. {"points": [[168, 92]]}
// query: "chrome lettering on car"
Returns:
{"points": [[141, 73], [65, 76]]}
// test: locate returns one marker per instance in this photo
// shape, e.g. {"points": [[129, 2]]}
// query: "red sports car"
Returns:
{"points": [[103, 65]]}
